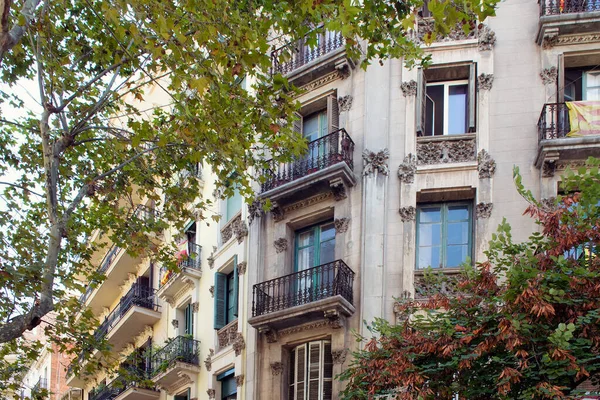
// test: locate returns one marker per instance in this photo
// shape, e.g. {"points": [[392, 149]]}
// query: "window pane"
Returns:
{"points": [[456, 255], [430, 234], [458, 213], [432, 214], [327, 254], [327, 232], [429, 257], [306, 258], [306, 238], [457, 109], [233, 205], [434, 110], [458, 233]]}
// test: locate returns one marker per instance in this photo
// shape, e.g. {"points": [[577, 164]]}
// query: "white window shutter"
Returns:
{"points": [[472, 100], [560, 79], [420, 102], [333, 114], [314, 371], [298, 122]]}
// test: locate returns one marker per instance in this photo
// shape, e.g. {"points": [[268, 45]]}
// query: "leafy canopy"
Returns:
{"points": [[525, 324]]}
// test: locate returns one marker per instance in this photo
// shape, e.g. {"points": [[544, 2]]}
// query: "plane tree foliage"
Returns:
{"points": [[524, 324], [127, 96]]}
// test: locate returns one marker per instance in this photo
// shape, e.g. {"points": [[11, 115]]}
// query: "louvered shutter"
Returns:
{"points": [[292, 375], [333, 114], [298, 121], [220, 300], [560, 79], [314, 370], [236, 288], [327, 371], [472, 101], [300, 379], [420, 102]]}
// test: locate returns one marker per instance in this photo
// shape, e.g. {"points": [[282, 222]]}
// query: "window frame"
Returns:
{"points": [[446, 114], [227, 376], [444, 206], [221, 298], [316, 245], [292, 385]]}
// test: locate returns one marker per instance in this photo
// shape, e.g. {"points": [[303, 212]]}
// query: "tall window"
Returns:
{"points": [[226, 297], [311, 371], [233, 205], [183, 396], [444, 235], [446, 100], [188, 320], [315, 246], [228, 385]]}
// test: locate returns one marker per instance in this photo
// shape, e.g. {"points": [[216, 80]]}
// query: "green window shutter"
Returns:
{"points": [[235, 286], [220, 300], [189, 320]]}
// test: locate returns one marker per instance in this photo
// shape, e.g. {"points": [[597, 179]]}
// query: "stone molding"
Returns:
{"points": [[270, 334], [334, 319], [281, 245], [308, 202], [485, 81], [241, 267], [338, 189], [341, 225], [409, 88], [483, 210], [239, 380], [549, 75], [345, 103], [305, 327], [375, 162], [276, 368], [208, 361], [578, 39], [408, 214], [446, 151], [339, 356], [255, 210], [486, 166], [317, 83], [408, 169]]}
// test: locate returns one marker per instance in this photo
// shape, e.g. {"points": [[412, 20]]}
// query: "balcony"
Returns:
{"points": [[327, 162], [174, 284], [301, 63], [561, 19], [72, 394], [41, 384], [125, 389], [557, 145], [174, 364], [304, 296]]}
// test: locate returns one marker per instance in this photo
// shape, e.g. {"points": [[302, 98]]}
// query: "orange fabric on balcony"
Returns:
{"points": [[183, 250], [584, 117]]}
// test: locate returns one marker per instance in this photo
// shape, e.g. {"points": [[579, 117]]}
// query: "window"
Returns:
{"points": [[188, 326], [183, 396], [446, 100], [318, 119], [233, 205], [315, 246], [311, 371], [444, 235], [226, 297], [228, 385]]}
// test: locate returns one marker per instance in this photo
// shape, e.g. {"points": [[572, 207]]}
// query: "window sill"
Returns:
{"points": [[447, 151]]}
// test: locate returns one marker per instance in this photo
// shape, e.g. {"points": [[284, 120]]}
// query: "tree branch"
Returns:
{"points": [[22, 187], [10, 38]]}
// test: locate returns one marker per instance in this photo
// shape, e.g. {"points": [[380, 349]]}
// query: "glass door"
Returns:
{"points": [[314, 127], [315, 246]]}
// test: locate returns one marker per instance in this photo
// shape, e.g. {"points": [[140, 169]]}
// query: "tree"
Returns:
{"points": [[100, 138], [524, 324]]}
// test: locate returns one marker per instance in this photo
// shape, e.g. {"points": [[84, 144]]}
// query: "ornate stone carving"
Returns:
{"points": [[211, 393], [308, 202], [226, 233], [427, 286], [212, 291], [305, 327], [227, 335], [486, 38], [175, 323], [409, 88], [317, 83], [345, 102], [277, 212], [408, 214], [271, 335], [550, 38], [446, 151], [408, 169], [334, 319], [255, 210], [341, 225], [549, 75], [239, 380], [343, 67], [276, 368], [238, 344], [211, 258], [338, 189], [578, 39], [241, 267], [339, 356], [375, 162], [485, 81], [208, 361], [483, 210], [549, 204], [548, 168], [425, 28], [195, 306], [240, 230], [486, 166], [281, 245]]}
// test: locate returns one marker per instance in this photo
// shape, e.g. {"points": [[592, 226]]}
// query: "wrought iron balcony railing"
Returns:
{"points": [[294, 55], [138, 295], [303, 287], [181, 349], [557, 7], [554, 121], [193, 261], [328, 150], [120, 385], [41, 384]]}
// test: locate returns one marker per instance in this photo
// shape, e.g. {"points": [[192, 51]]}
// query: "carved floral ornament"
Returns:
{"points": [[208, 361], [238, 344], [375, 162], [345, 103], [339, 356], [408, 169], [276, 368], [483, 210], [486, 166], [281, 245], [408, 214], [211, 393], [239, 380], [446, 151], [241, 267], [486, 38], [255, 210], [485, 81], [409, 88], [549, 75], [341, 225]]}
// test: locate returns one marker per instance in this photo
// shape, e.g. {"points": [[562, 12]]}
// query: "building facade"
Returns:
{"points": [[406, 169]]}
